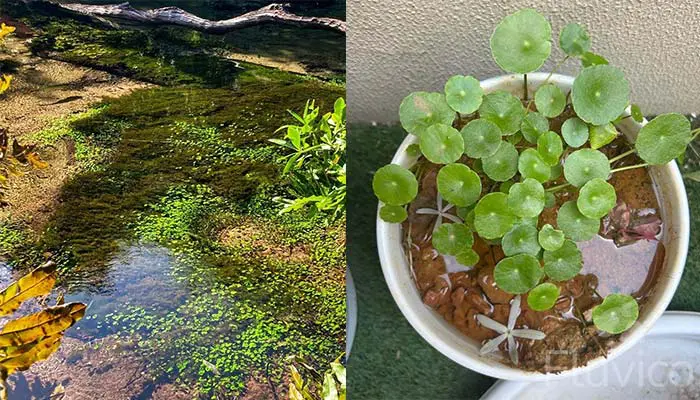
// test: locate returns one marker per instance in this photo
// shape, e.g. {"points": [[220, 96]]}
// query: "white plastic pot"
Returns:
{"points": [[452, 343]]}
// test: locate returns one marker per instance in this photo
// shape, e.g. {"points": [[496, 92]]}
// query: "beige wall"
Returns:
{"points": [[399, 46]]}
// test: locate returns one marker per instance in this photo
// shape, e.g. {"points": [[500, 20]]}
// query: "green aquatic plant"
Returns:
{"points": [[93, 145], [497, 186], [315, 163]]}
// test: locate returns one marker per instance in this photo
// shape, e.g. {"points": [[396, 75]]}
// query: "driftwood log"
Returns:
{"points": [[276, 13]]}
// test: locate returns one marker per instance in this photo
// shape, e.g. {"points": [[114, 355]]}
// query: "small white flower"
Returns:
{"points": [[441, 212], [507, 332]]}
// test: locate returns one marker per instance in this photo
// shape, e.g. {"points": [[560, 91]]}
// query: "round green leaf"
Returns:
{"points": [[420, 110], [463, 211], [549, 199], [481, 138], [463, 94], [468, 257], [458, 184], [574, 40], [413, 150], [550, 239], [600, 94], [663, 138], [602, 135], [394, 185], [504, 110], [550, 100], [636, 113], [521, 42], [521, 239], [532, 165], [469, 219], [596, 198], [505, 186], [477, 166], [526, 199], [550, 148], [589, 59], [616, 314], [563, 263], [543, 296], [452, 239], [515, 139], [442, 144], [583, 165], [518, 274], [534, 124], [575, 132], [393, 214], [492, 217], [529, 221], [503, 164], [556, 172], [575, 225]]}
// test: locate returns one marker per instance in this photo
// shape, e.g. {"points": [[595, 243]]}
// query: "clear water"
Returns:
{"points": [[138, 276]]}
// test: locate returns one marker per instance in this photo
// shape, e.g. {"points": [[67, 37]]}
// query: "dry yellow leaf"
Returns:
{"points": [[36, 161], [36, 283], [40, 351], [48, 322], [5, 30], [5, 81]]}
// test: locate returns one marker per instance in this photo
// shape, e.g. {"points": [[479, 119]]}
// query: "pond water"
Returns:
{"points": [[138, 276], [145, 285]]}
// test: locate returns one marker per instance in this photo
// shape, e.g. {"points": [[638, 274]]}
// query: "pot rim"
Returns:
{"points": [[450, 342]]}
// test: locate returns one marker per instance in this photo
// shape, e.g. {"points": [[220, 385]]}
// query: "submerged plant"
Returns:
{"points": [[508, 333], [501, 165], [315, 165]]}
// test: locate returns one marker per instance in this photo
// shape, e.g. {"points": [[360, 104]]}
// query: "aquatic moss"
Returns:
{"points": [[12, 237], [140, 54], [182, 163], [166, 56], [93, 143], [97, 206], [176, 220]]}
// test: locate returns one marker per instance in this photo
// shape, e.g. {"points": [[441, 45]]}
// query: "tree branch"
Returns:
{"points": [[176, 16]]}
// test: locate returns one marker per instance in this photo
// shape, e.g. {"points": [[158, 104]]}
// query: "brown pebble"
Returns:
{"points": [[488, 285]]}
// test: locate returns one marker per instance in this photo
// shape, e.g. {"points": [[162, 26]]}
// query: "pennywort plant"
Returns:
{"points": [[501, 163]]}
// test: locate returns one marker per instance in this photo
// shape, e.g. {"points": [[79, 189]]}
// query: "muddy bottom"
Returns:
{"points": [[459, 293]]}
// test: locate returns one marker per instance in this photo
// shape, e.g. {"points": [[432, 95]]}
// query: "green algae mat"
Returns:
{"points": [[184, 179], [389, 360]]}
